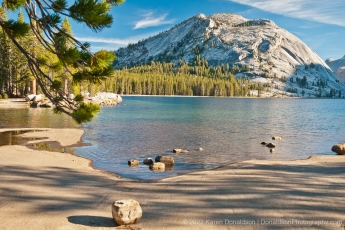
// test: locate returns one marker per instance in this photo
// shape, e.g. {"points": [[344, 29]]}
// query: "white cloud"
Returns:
{"points": [[98, 43], [124, 41], [328, 12], [150, 20]]}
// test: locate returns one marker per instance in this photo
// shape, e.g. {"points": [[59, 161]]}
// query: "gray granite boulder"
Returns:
{"points": [[148, 161], [126, 212], [166, 160], [157, 167], [133, 162]]}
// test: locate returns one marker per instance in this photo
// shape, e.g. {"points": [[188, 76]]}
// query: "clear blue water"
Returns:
{"points": [[228, 129]]}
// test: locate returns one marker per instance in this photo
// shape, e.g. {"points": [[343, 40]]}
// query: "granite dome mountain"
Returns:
{"points": [[263, 52], [338, 67]]}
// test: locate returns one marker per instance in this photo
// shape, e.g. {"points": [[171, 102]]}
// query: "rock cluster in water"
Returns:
{"points": [[104, 99]]}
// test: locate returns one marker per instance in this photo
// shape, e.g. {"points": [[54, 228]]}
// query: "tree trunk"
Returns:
{"points": [[33, 86]]}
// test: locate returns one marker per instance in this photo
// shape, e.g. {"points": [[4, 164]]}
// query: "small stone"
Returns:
{"points": [[166, 160], [339, 149], [126, 212], [276, 138], [270, 145], [133, 162], [180, 151], [157, 167], [264, 143], [148, 161], [200, 149], [272, 150]]}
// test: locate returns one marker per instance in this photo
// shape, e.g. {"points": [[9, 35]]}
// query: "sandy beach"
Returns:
{"points": [[51, 190]]}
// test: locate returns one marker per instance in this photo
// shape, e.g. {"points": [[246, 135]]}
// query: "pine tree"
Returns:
{"points": [[46, 25]]}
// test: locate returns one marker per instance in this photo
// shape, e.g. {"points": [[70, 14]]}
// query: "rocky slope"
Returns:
{"points": [[274, 56], [338, 67]]}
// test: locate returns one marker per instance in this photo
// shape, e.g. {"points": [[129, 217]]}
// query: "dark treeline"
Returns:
{"points": [[198, 79]]}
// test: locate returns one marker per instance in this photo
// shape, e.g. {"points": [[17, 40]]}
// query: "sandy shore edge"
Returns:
{"points": [[49, 190]]}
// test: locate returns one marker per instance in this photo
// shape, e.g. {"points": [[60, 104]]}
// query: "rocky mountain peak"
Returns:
{"points": [[338, 67], [265, 52]]}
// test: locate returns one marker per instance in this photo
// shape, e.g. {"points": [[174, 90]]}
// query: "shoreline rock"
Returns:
{"points": [[180, 151], [339, 148]]}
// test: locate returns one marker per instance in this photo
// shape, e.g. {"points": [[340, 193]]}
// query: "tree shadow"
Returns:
{"points": [[92, 221], [251, 192]]}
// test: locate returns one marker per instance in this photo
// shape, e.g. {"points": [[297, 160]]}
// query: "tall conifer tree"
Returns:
{"points": [[45, 22]]}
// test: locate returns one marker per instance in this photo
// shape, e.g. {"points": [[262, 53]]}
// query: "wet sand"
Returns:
{"points": [[51, 190]]}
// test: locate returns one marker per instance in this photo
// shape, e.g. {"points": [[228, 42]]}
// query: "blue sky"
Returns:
{"points": [[318, 23]]}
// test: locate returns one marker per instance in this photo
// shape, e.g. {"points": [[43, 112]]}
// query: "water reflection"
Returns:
{"points": [[34, 118], [12, 138]]}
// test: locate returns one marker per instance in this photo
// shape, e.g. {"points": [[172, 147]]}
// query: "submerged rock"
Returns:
{"points": [[35, 104], [264, 143], [270, 145], [126, 212], [46, 105], [148, 161], [339, 149]]}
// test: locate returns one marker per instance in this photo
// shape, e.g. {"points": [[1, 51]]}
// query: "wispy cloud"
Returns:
{"points": [[150, 20], [124, 41], [328, 12], [98, 43]]}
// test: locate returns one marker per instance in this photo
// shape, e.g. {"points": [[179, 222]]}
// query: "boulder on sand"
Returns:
{"points": [[126, 212], [339, 149], [30, 97]]}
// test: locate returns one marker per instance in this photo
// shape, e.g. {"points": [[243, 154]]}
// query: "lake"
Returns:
{"points": [[228, 129]]}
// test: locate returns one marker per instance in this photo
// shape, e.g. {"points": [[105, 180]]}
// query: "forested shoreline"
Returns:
{"points": [[183, 79]]}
